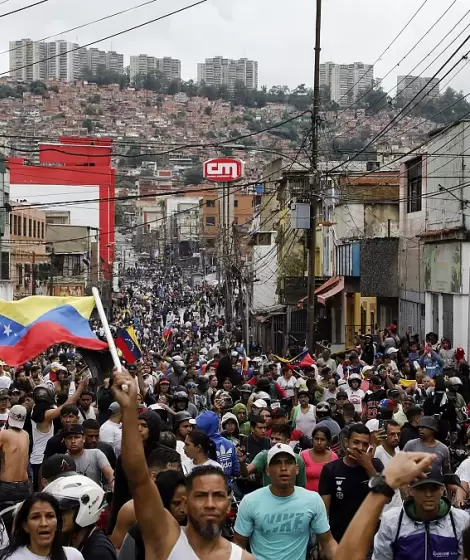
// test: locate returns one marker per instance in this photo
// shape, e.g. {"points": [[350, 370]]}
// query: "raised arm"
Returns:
{"points": [[160, 531], [54, 413]]}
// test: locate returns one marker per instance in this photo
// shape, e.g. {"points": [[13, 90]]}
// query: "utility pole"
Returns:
{"points": [[51, 279], [33, 275], [314, 185]]}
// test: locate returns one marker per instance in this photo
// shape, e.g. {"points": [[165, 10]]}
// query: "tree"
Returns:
{"points": [[193, 175], [174, 87], [88, 124], [208, 110], [375, 100], [38, 88]]}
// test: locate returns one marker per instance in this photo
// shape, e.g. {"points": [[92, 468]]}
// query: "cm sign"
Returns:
{"points": [[223, 170]]}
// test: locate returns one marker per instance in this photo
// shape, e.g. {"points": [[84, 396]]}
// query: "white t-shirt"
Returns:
{"points": [[288, 385], [23, 553], [5, 382], [111, 433], [189, 465], [381, 453], [180, 449], [463, 471], [355, 398]]}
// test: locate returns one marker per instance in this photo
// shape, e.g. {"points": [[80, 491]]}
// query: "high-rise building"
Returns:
{"points": [[115, 62], [63, 61], [58, 60], [219, 71], [346, 82], [95, 60], [142, 65], [410, 87]]}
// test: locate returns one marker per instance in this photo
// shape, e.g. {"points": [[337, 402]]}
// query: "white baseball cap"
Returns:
{"points": [[17, 416], [260, 404], [278, 449]]}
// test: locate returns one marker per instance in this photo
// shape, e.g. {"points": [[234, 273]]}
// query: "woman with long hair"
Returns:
{"points": [[317, 457], [200, 450], [38, 532]]}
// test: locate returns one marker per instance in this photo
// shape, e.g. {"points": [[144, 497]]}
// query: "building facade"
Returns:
{"points": [[58, 60], [434, 253], [409, 87], [219, 71], [28, 231], [346, 82], [143, 64]]}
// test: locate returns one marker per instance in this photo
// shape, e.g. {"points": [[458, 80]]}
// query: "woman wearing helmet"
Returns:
{"points": [[81, 501], [455, 386], [354, 391]]}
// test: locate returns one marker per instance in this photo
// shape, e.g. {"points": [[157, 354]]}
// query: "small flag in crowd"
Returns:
{"points": [[127, 342], [31, 325], [167, 331]]}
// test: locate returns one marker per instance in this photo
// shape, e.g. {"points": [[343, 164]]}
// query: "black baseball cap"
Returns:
{"points": [[72, 429], [58, 465], [375, 380]]}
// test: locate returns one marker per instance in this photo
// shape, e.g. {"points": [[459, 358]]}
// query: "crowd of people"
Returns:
{"points": [[200, 450]]}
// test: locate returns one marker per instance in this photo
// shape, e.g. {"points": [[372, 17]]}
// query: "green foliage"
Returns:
{"points": [[38, 88], [96, 98], [88, 124], [105, 77], [193, 176], [208, 110]]}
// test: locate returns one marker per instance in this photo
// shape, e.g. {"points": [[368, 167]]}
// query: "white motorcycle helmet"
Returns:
{"points": [[82, 492]]}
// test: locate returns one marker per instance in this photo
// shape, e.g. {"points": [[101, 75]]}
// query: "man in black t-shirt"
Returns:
{"points": [[371, 400], [344, 483]]}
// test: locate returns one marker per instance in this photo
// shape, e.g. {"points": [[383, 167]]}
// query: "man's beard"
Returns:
{"points": [[209, 531]]}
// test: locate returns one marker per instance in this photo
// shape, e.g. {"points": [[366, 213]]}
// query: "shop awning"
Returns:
{"points": [[330, 284], [336, 289]]}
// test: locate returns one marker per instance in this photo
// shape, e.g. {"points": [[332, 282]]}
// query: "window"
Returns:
{"points": [[414, 185], [25, 223], [4, 265], [210, 204], [19, 224], [34, 228], [11, 225], [210, 220], [42, 230], [19, 274], [30, 227], [235, 203]]}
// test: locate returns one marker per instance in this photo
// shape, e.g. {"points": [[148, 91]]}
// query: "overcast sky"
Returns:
{"points": [[277, 33]]}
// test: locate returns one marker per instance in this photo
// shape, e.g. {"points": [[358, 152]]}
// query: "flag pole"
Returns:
{"points": [[109, 336]]}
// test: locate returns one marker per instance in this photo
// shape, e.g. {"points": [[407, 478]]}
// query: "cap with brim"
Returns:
{"points": [[433, 477], [164, 380], [4, 393], [341, 395], [278, 449], [114, 408], [58, 465], [17, 416], [375, 380], [429, 422], [72, 429], [392, 351], [260, 404]]}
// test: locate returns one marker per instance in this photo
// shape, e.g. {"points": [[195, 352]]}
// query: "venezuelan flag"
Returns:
{"points": [[29, 326], [127, 342]]}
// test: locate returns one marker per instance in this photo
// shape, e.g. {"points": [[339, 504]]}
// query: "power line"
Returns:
{"points": [[82, 25], [387, 49], [409, 52], [117, 34], [387, 127], [414, 79], [23, 8]]}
